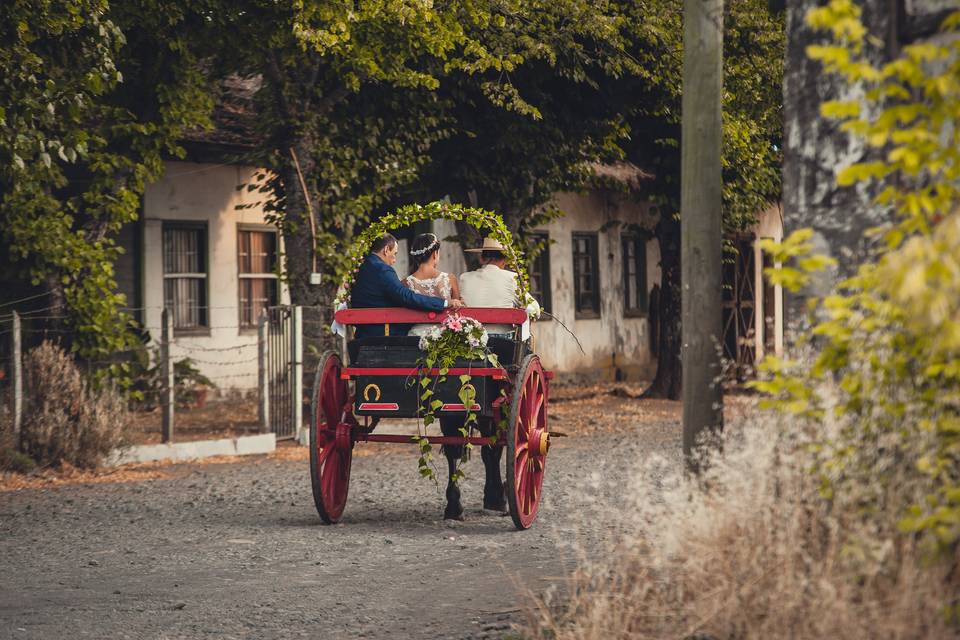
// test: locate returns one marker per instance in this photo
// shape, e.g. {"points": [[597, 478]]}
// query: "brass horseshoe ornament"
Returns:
{"points": [[371, 388]]}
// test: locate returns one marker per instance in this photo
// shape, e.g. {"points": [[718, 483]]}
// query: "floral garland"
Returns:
{"points": [[480, 219], [455, 338]]}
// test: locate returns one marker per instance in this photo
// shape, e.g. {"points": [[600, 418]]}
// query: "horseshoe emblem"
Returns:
{"points": [[371, 389]]}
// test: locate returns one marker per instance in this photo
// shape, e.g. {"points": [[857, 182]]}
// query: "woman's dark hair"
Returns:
{"points": [[423, 247], [381, 243]]}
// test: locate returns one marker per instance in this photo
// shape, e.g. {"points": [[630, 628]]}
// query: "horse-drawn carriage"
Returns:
{"points": [[349, 402]]}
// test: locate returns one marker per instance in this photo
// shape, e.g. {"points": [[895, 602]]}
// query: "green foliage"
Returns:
{"points": [[363, 96], [146, 380], [754, 44], [889, 338], [92, 97], [13, 460], [456, 339]]}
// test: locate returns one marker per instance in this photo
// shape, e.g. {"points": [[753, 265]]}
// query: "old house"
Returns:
{"points": [[203, 249]]}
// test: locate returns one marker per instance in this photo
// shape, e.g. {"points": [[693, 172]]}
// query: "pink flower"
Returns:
{"points": [[456, 325]]}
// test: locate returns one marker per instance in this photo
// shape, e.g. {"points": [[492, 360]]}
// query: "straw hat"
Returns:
{"points": [[489, 244]]}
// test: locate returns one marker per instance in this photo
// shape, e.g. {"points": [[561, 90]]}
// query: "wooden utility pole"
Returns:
{"points": [[700, 221]]}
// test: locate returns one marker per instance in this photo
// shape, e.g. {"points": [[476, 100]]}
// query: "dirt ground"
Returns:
{"points": [[222, 418], [235, 549]]}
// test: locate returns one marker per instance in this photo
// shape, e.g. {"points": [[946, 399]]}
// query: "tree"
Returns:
{"points": [[353, 94], [752, 134], [513, 161], [92, 97]]}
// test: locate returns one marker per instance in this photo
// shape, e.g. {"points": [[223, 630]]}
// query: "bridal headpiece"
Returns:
{"points": [[430, 248]]}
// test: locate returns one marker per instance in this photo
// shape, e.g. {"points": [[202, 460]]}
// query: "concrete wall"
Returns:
{"points": [[205, 193]]}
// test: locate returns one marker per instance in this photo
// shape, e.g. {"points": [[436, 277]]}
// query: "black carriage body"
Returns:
{"points": [[397, 395]]}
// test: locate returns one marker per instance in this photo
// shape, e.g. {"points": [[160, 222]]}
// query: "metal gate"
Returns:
{"points": [[282, 365], [739, 309]]}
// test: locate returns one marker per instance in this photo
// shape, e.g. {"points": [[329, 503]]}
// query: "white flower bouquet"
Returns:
{"points": [[465, 336]]}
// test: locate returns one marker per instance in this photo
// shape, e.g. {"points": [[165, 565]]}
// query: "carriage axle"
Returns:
{"points": [[413, 439]]}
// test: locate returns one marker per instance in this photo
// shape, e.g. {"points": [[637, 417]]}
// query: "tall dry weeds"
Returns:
{"points": [[758, 554], [66, 420]]}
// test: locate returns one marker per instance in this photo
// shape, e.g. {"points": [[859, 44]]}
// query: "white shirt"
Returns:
{"points": [[491, 286]]}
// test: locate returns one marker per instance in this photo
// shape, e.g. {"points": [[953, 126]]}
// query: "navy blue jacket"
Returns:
{"points": [[377, 285]]}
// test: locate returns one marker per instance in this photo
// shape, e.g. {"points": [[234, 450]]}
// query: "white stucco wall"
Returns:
{"points": [[611, 341], [769, 225], [205, 193]]}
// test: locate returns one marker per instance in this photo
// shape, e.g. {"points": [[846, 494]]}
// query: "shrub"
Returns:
{"points": [[12, 460], [66, 419], [146, 380]]}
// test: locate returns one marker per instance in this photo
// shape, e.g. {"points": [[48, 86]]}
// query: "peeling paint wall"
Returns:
{"points": [[613, 342]]}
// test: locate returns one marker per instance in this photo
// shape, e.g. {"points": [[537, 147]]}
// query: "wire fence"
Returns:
{"points": [[183, 384]]}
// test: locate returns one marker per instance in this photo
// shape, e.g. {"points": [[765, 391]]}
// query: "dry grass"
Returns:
{"points": [[65, 420], [759, 554]]}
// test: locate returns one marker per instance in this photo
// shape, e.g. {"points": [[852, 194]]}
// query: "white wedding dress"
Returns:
{"points": [[438, 287]]}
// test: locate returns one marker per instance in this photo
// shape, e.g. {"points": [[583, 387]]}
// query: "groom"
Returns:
{"points": [[377, 285]]}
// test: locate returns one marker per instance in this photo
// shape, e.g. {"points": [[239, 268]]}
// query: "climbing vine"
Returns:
{"points": [[405, 216], [456, 338]]}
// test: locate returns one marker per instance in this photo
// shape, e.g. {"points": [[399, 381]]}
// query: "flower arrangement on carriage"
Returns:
{"points": [[493, 388]]}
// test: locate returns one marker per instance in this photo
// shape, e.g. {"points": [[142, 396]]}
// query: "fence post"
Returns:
{"points": [[17, 374], [167, 386], [296, 364], [263, 382]]}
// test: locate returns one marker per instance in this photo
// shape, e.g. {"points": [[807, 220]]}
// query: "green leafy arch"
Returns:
{"points": [[484, 221]]}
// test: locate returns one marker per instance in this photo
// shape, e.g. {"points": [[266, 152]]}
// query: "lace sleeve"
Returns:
{"points": [[444, 282]]}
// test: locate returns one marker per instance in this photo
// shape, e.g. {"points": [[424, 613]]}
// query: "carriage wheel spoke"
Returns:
{"points": [[532, 419], [522, 484]]}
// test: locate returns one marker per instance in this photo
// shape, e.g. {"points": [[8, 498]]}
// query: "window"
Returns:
{"points": [[257, 252], [586, 276], [185, 274], [634, 275], [540, 273]]}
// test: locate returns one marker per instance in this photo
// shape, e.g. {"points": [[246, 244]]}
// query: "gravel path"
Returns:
{"points": [[237, 550]]}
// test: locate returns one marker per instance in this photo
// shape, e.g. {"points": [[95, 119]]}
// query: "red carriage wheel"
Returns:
{"points": [[527, 442], [331, 444]]}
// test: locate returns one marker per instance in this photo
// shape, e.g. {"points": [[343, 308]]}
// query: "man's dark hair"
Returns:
{"points": [[381, 243], [492, 255]]}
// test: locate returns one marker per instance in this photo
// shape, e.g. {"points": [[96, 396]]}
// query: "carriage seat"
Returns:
{"points": [[404, 351]]}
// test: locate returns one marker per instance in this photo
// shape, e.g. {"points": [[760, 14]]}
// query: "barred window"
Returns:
{"points": [[540, 273], [257, 253], [586, 276], [634, 275], [185, 274]]}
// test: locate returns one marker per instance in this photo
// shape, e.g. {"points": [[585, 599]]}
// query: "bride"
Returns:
{"points": [[424, 276]]}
